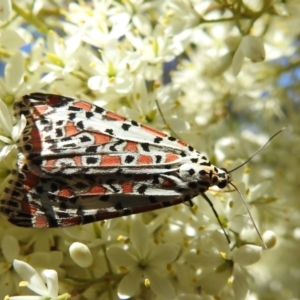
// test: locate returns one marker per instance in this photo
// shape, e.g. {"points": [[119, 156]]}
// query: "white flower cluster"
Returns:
{"points": [[221, 75]]}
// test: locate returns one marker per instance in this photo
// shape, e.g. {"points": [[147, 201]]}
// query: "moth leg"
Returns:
{"points": [[216, 215]]}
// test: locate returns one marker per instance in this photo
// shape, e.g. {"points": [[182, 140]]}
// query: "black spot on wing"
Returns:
{"points": [[85, 139], [145, 147], [141, 189], [89, 114], [80, 125], [104, 198], [113, 147], [46, 122], [58, 132], [109, 131], [91, 160], [129, 159], [155, 179], [158, 159], [27, 147], [191, 172], [71, 116], [125, 126], [71, 145], [98, 109], [157, 140], [91, 149], [74, 108]]}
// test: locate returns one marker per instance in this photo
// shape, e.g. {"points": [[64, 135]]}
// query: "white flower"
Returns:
{"points": [[7, 129], [62, 54], [221, 266], [144, 261], [180, 16], [45, 285], [251, 47], [11, 250], [9, 134], [114, 71], [101, 25], [158, 47]]}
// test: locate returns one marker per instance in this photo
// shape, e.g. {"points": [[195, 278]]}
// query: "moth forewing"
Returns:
{"points": [[80, 163]]}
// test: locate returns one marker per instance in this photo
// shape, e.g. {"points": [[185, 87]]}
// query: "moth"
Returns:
{"points": [[79, 163]]}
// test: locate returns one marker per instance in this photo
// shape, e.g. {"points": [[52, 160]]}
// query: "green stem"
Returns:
{"points": [[29, 17]]}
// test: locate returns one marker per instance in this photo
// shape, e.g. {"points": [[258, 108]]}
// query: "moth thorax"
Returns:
{"points": [[193, 172]]}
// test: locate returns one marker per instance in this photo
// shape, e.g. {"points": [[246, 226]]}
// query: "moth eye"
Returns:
{"points": [[222, 184]]}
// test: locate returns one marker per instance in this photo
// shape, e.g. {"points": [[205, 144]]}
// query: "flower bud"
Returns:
{"points": [[81, 254], [269, 238], [251, 47]]}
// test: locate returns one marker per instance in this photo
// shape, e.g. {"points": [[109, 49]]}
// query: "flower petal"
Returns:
{"points": [[220, 242], [129, 284], [29, 274], [6, 122], [11, 39], [213, 282], [237, 61], [240, 284], [160, 285], [10, 247], [52, 282], [18, 128], [247, 255], [163, 254], [139, 237], [121, 257], [14, 71], [5, 10]]}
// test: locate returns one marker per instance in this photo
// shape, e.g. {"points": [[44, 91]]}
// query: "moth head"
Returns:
{"points": [[206, 175], [223, 178]]}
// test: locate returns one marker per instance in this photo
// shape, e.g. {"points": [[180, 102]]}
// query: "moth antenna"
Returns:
{"points": [[259, 149], [248, 210], [216, 215], [163, 117]]}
